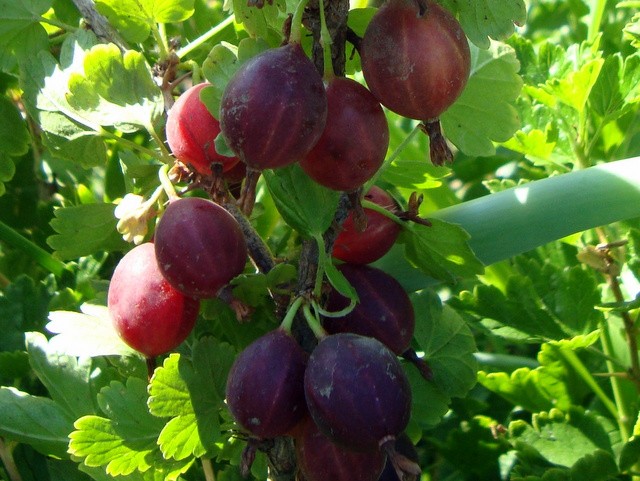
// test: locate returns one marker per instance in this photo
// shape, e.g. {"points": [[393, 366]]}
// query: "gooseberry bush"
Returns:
{"points": [[319, 240]]}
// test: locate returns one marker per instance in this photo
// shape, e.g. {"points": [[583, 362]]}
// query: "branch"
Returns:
{"points": [[99, 24]]}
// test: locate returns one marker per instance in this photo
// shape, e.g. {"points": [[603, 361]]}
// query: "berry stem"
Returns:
{"points": [[313, 322], [166, 183], [325, 42], [394, 155], [212, 32], [151, 367], [340, 313], [287, 322], [258, 250], [323, 258], [296, 23], [439, 151]]}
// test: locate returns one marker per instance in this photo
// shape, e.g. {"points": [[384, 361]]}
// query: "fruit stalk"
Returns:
{"points": [[336, 13]]}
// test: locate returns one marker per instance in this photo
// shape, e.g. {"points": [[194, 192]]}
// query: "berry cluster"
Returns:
{"points": [[347, 399]]}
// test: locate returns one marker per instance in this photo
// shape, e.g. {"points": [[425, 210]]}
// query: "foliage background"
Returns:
{"points": [[546, 184]]}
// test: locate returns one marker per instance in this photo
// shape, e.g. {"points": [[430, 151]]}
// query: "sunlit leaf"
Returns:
{"points": [[489, 18], [485, 112]]}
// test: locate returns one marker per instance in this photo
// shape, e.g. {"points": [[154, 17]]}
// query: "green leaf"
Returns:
{"points": [[259, 22], [125, 440], [44, 82], [23, 307], [67, 379], [485, 112], [429, 404], [169, 397], [535, 144], [304, 204], [440, 251], [218, 68], [616, 91], [13, 365], [481, 19], [135, 19], [34, 420], [89, 333], [222, 63], [14, 136], [20, 30], [85, 229], [191, 392], [83, 148], [563, 439], [447, 343], [598, 466], [552, 384], [630, 453], [520, 309], [116, 90], [574, 89], [523, 387]]}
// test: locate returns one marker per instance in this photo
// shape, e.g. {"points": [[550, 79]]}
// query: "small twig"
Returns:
{"points": [[99, 24], [630, 327], [207, 467], [258, 251], [6, 455]]}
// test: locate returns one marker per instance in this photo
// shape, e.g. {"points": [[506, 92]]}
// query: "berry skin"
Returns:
{"points": [[384, 312], [147, 312], [199, 246], [376, 240], [416, 65], [354, 142], [320, 459], [356, 391], [274, 109], [191, 133], [265, 390]]}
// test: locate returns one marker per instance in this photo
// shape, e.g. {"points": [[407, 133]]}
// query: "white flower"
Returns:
{"points": [[133, 214]]}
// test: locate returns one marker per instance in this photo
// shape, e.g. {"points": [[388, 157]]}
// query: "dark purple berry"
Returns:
{"points": [[274, 109], [265, 392], [384, 310], [319, 459], [357, 392], [200, 247]]}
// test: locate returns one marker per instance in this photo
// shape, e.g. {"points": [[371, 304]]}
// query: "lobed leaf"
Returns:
{"points": [[616, 91], [191, 392], [447, 343], [67, 378], [89, 333], [481, 19], [135, 19], [125, 440], [565, 439], [552, 384], [84, 229], [21, 33], [116, 89], [485, 112], [440, 251]]}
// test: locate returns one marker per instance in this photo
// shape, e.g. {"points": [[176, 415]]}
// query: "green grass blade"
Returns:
{"points": [[514, 221]]}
